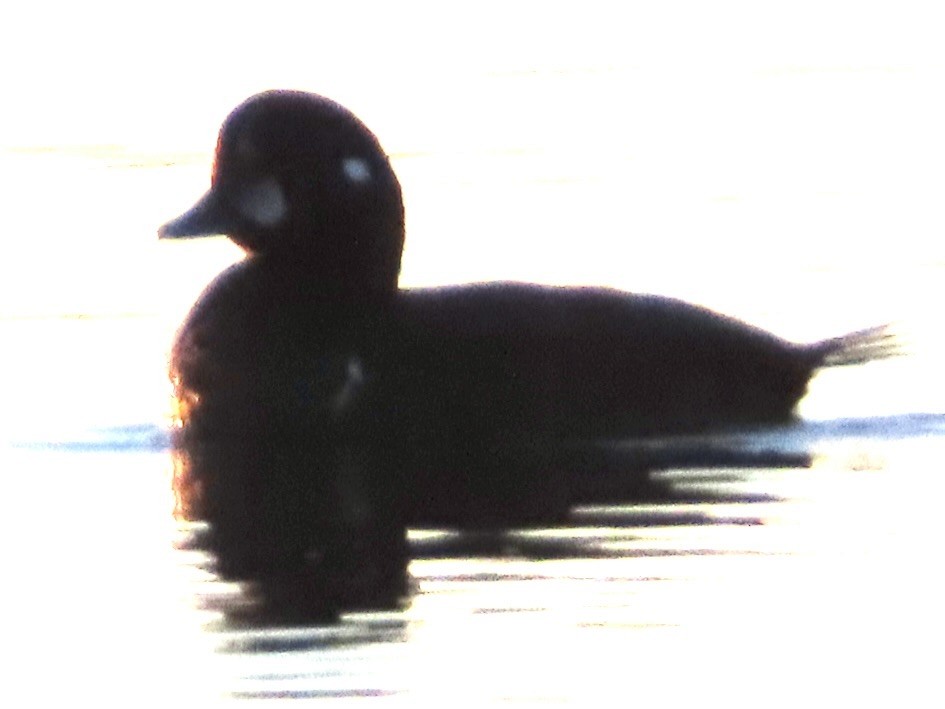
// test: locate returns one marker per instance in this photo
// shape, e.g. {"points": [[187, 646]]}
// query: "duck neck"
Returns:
{"points": [[333, 281]]}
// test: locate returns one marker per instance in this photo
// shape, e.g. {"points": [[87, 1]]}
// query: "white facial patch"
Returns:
{"points": [[356, 169], [264, 203], [354, 381]]}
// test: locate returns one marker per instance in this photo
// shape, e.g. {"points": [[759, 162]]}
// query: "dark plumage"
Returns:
{"points": [[322, 408]]}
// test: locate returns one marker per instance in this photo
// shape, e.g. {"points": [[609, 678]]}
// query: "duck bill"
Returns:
{"points": [[208, 217]]}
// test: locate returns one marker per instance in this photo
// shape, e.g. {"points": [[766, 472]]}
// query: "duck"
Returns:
{"points": [[314, 394]]}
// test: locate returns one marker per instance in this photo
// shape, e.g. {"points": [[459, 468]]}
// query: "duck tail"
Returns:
{"points": [[858, 347]]}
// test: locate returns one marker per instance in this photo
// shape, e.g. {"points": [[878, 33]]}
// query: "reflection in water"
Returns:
{"points": [[718, 577], [730, 597], [459, 576], [299, 585], [296, 574], [278, 535], [291, 567], [778, 578]]}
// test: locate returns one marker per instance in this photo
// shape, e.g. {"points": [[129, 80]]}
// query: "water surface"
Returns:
{"points": [[796, 184]]}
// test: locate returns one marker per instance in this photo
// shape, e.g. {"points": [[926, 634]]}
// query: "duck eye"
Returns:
{"points": [[356, 169], [263, 202]]}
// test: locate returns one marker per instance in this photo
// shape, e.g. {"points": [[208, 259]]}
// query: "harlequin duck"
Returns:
{"points": [[317, 397]]}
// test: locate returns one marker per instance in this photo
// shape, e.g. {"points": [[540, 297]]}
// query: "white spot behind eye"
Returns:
{"points": [[263, 202], [356, 169]]}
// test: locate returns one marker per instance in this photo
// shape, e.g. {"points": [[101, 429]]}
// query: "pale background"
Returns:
{"points": [[781, 162]]}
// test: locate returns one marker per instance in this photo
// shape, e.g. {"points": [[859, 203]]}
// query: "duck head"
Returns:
{"points": [[300, 181]]}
